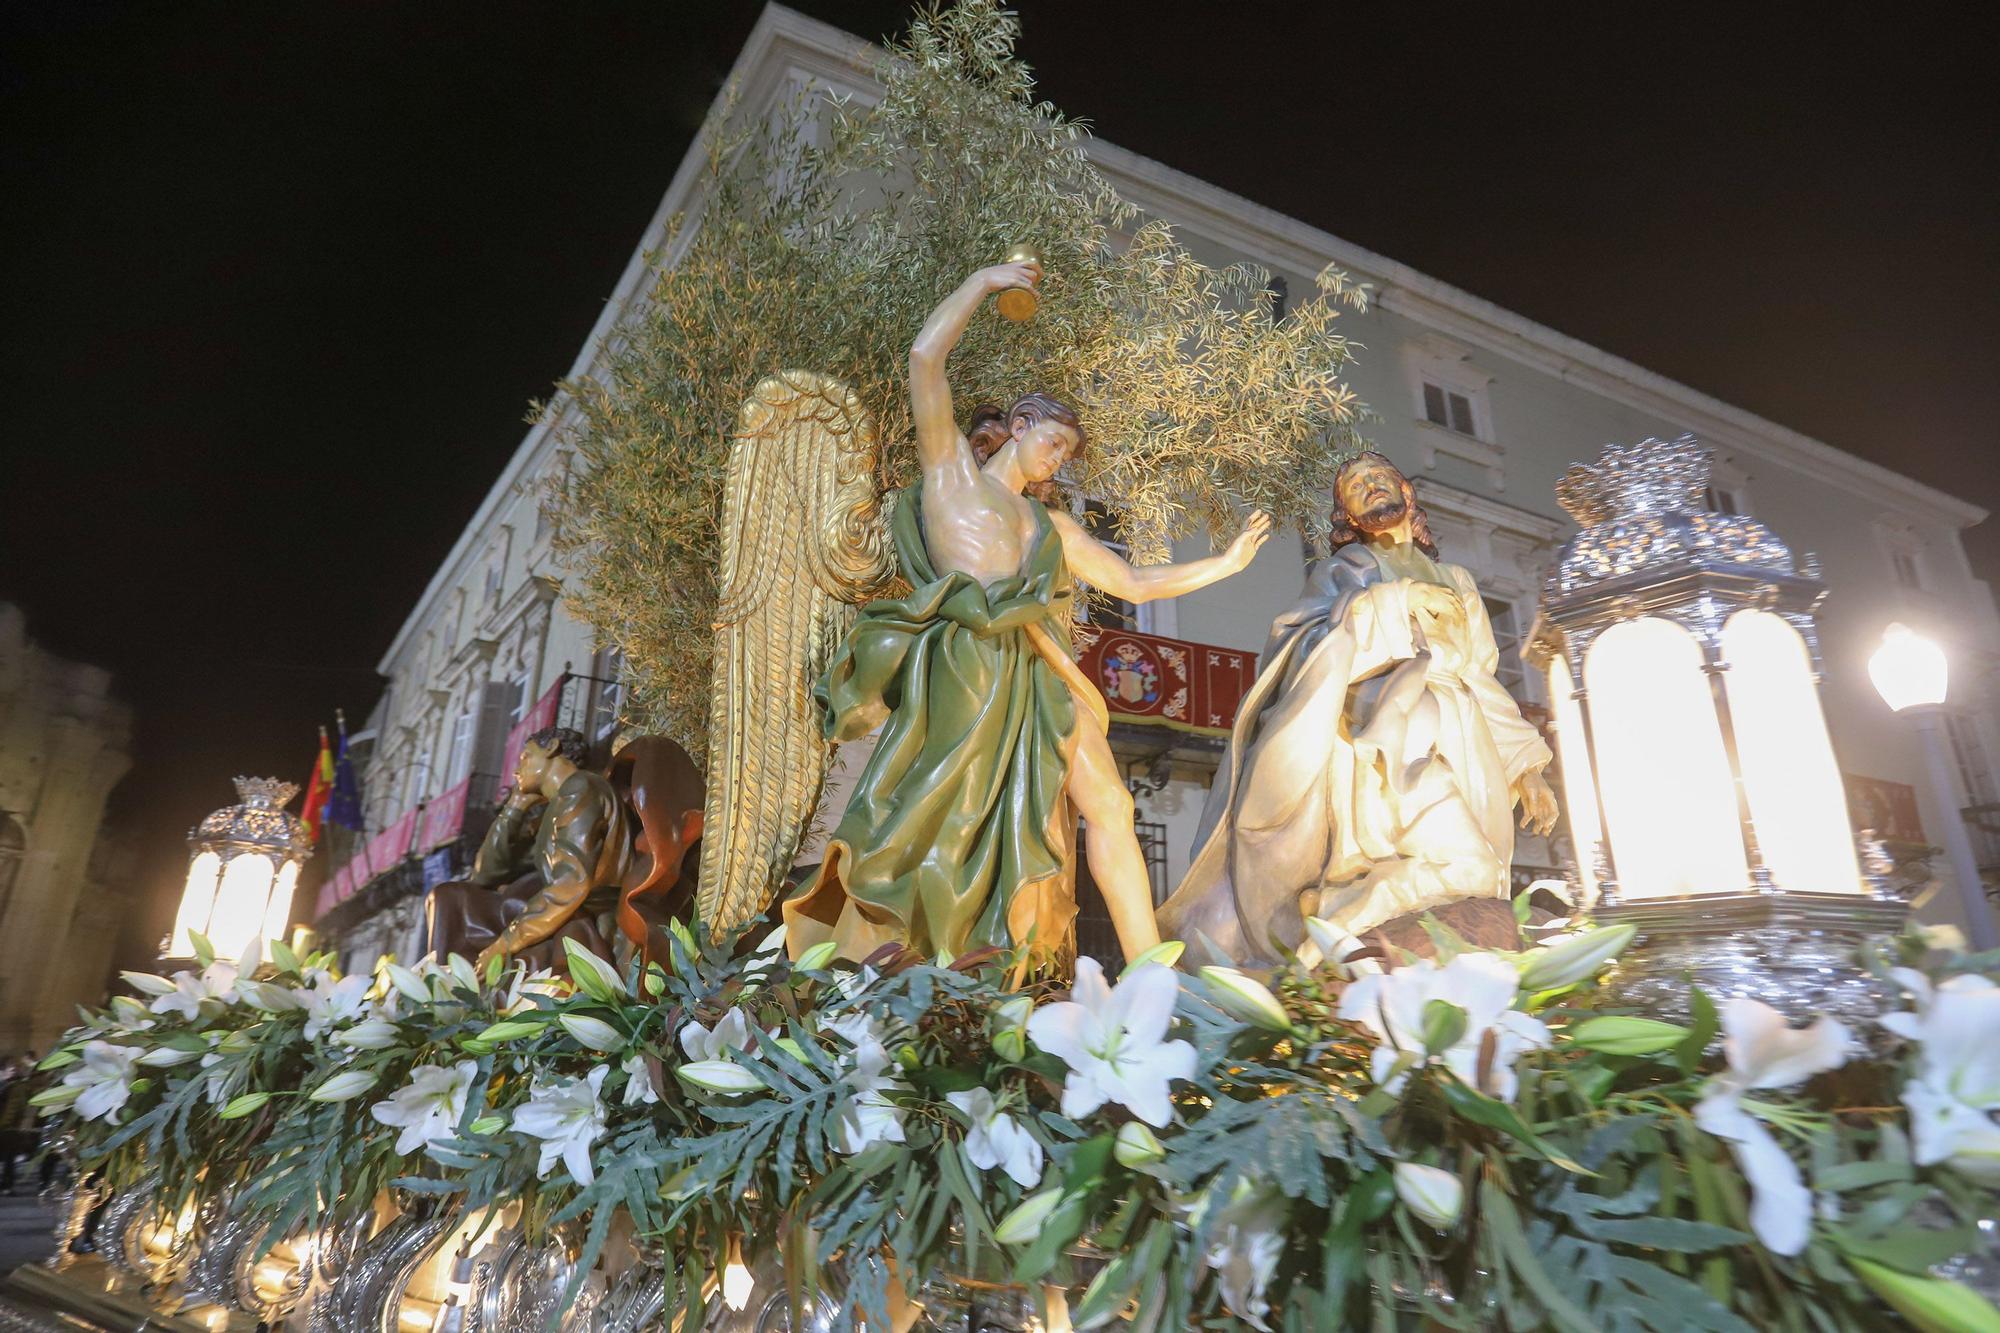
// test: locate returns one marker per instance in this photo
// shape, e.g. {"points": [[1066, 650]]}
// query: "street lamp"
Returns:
{"points": [[1910, 673], [1706, 804], [244, 866]]}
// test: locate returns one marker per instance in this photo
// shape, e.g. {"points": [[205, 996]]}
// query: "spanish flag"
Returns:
{"points": [[319, 790]]}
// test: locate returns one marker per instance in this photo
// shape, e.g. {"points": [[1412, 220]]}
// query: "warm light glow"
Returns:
{"points": [[279, 914], [197, 903], [1579, 786], [1798, 805], [1909, 670], [737, 1283], [240, 903], [1669, 797]]}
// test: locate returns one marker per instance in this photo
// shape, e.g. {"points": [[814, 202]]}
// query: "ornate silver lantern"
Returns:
{"points": [[1702, 790], [243, 870]]}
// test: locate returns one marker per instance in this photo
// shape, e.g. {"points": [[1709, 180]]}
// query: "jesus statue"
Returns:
{"points": [[960, 828], [1376, 762]]}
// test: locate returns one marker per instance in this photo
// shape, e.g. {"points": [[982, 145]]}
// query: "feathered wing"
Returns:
{"points": [[803, 543]]}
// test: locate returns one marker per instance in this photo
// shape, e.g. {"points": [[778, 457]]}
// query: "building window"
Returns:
{"points": [[1449, 408], [1975, 775], [1101, 608], [463, 730], [1279, 292], [1903, 561], [493, 582], [608, 703], [1721, 500], [1512, 674]]}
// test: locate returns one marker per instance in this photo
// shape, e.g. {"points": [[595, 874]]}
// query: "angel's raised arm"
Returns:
{"points": [[938, 438]]}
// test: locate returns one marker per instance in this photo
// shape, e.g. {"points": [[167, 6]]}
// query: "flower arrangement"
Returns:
{"points": [[1473, 1140]]}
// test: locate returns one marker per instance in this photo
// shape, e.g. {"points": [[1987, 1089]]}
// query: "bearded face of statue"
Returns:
{"points": [[1374, 495]]}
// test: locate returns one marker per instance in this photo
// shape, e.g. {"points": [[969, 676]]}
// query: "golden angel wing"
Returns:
{"points": [[803, 541]]}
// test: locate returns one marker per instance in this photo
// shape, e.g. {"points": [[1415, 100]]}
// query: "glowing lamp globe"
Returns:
{"points": [[1909, 670], [1705, 802], [242, 871]]}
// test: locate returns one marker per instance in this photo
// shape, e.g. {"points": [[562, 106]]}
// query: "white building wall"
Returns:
{"points": [[1541, 402]]}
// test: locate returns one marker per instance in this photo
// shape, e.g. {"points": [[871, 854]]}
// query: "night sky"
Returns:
{"points": [[279, 280]]}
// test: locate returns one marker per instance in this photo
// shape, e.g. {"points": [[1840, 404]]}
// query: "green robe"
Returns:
{"points": [[959, 832]]}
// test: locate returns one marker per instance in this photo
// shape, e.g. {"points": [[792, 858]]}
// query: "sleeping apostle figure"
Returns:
{"points": [[959, 831], [1374, 766]]}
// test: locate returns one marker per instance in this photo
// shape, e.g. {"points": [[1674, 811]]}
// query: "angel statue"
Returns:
{"points": [[959, 831]]}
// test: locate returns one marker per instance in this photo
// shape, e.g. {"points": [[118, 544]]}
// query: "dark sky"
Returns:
{"points": [[279, 279]]}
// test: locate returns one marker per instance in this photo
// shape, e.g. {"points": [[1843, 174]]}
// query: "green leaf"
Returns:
{"points": [[1706, 1024], [1484, 1110], [204, 952], [283, 957], [1503, 1224], [1846, 1176]]}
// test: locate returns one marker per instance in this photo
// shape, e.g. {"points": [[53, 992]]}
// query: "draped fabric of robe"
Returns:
{"points": [[1370, 771], [959, 831]]}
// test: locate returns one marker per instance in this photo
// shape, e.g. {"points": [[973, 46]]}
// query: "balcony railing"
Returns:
{"points": [[1156, 681]]}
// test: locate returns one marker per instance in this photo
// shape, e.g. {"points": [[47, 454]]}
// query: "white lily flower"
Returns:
{"points": [[523, 984], [1765, 1052], [217, 1083], [217, 981], [1113, 1040], [428, 1108], [1244, 1249], [639, 1089], [869, 1116], [1391, 1005], [1436, 1196], [1957, 1086], [997, 1139], [731, 1033], [330, 1003], [1944, 935], [104, 1079], [567, 1117]]}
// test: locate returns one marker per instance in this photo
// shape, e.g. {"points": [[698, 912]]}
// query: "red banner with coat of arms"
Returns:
{"points": [[1164, 682]]}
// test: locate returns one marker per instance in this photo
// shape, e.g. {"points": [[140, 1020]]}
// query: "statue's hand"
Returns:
{"points": [[1435, 601], [1537, 800], [1255, 533], [1002, 276]]}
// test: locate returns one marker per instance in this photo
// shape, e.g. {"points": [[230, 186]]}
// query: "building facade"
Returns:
{"points": [[1483, 408], [64, 744]]}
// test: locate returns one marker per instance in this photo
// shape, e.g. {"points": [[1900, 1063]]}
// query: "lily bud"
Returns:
{"points": [[720, 1076], [407, 983], [593, 976], [461, 971], [372, 1035], [1576, 959], [1137, 1147], [241, 1106], [1927, 1302], [817, 957], [595, 1033], [1166, 953], [487, 1124], [1245, 998], [166, 1057], [1024, 1223], [1613, 1034], [1434, 1196], [1009, 1028], [343, 1087], [1336, 946], [148, 983]]}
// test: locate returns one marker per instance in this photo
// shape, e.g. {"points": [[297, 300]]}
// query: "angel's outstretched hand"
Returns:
{"points": [[1255, 533]]}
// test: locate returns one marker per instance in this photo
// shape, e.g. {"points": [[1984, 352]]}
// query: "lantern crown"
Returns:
{"points": [[1642, 510], [258, 823]]}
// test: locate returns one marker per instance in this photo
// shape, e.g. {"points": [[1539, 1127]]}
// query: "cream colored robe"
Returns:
{"points": [[1370, 772]]}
